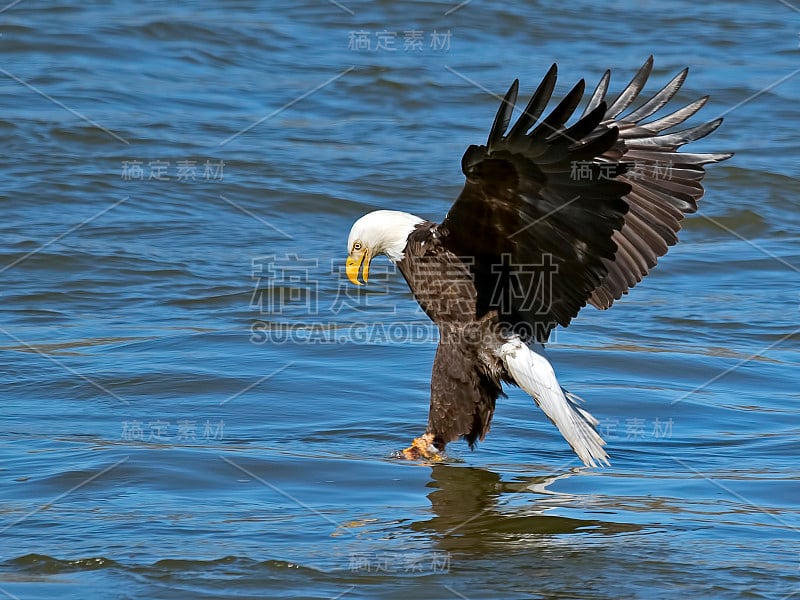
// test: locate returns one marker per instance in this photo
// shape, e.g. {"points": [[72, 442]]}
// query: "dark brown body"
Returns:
{"points": [[467, 371]]}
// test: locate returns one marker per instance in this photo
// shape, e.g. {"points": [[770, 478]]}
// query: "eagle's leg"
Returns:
{"points": [[423, 447]]}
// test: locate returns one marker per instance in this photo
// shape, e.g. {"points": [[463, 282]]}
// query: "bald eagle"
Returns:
{"points": [[551, 217]]}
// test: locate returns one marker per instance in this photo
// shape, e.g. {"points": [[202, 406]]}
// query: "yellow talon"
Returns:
{"points": [[422, 447]]}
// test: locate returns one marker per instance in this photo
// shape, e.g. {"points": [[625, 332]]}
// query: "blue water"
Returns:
{"points": [[196, 404]]}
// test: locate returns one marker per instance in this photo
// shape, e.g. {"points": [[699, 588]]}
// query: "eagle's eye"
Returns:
{"points": [[356, 246]]}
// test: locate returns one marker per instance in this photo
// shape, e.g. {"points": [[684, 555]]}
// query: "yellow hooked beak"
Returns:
{"points": [[354, 264]]}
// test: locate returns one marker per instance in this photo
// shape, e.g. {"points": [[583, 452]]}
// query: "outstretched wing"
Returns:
{"points": [[665, 183], [554, 216]]}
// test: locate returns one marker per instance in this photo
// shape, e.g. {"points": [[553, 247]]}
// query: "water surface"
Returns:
{"points": [[177, 188]]}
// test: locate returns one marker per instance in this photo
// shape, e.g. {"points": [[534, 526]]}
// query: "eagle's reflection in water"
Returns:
{"points": [[474, 509]]}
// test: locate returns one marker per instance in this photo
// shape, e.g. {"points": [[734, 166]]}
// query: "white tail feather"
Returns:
{"points": [[533, 373]]}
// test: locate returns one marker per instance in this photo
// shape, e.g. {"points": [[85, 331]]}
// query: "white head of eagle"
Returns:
{"points": [[552, 216], [380, 232]]}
